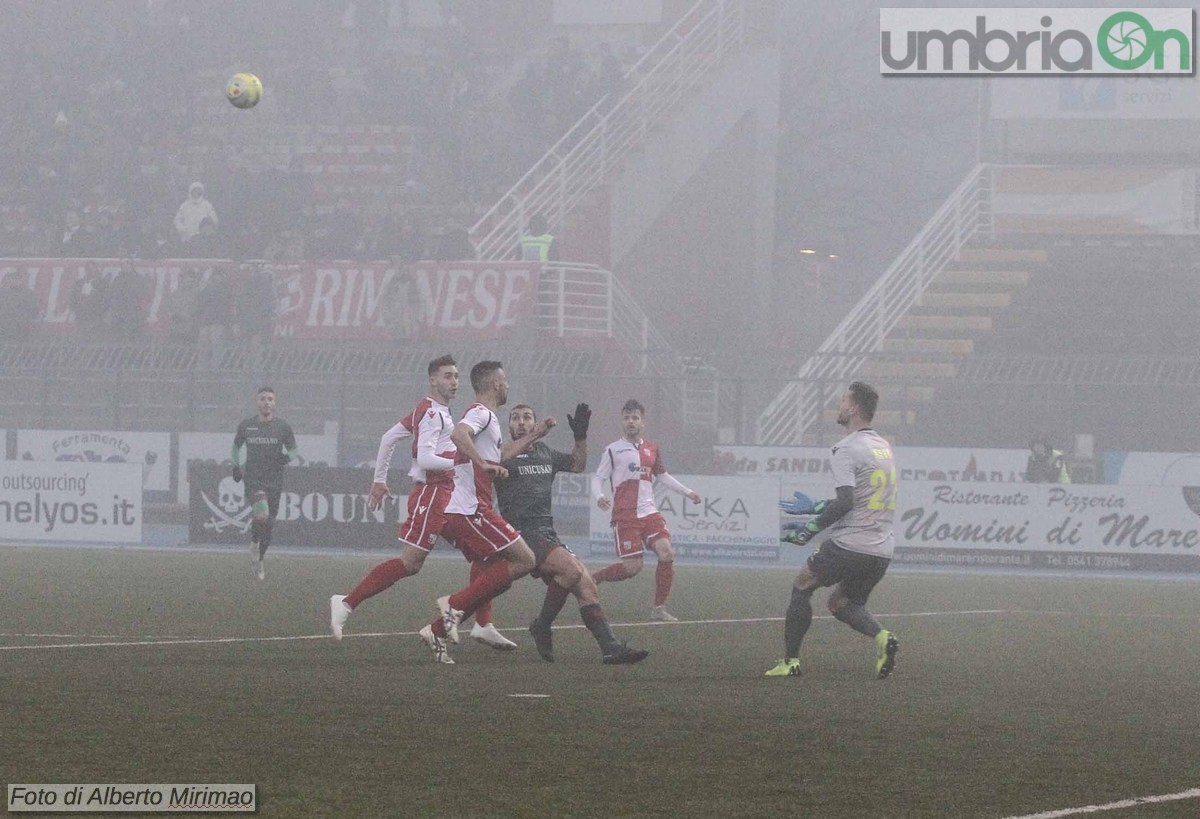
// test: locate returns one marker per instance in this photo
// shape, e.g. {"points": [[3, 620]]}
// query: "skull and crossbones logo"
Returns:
{"points": [[230, 508]]}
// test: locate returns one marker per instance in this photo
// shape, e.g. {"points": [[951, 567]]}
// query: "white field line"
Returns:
{"points": [[187, 641], [32, 635], [1194, 793], [168, 639]]}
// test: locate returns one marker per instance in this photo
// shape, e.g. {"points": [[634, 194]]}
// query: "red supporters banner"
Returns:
{"points": [[317, 300]]}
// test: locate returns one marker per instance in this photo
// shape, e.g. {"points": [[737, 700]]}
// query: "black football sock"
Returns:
{"points": [[265, 541], [797, 621], [597, 623], [556, 598], [859, 619]]}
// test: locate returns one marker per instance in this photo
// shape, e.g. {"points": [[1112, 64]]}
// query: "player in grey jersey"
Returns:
{"points": [[860, 543], [525, 501]]}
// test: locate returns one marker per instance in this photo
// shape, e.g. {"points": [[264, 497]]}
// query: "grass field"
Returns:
{"points": [[1013, 695]]}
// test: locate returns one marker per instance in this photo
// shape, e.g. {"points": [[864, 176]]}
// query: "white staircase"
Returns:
{"points": [[703, 38], [584, 159], [821, 379]]}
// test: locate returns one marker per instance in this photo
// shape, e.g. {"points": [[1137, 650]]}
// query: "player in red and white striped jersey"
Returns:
{"points": [[631, 465], [432, 472], [472, 523]]}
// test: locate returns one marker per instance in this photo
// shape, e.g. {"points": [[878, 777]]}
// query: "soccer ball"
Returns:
{"points": [[243, 90]]}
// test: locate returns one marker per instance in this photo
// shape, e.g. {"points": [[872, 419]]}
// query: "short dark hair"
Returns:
{"points": [[521, 407], [261, 390], [537, 224], [442, 361], [866, 398], [481, 372], [633, 405]]}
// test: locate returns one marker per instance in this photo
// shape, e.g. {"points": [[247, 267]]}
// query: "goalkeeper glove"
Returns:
{"points": [[579, 421], [284, 459], [237, 473], [801, 537], [802, 504]]}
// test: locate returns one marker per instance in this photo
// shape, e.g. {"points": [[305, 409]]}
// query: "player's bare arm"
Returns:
{"points": [[515, 448], [464, 439]]}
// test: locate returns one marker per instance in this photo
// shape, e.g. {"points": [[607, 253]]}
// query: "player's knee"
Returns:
{"points": [[520, 558], [568, 575], [413, 559], [663, 549], [586, 590], [633, 565]]}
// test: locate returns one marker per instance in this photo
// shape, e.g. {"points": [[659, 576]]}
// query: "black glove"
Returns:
{"points": [[237, 473], [579, 421], [283, 458]]}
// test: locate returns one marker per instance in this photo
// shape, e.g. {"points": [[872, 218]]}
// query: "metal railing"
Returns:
{"points": [[799, 404], [586, 301], [575, 303], [581, 160]]}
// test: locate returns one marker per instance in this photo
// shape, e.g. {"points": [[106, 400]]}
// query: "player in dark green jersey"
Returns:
{"points": [[525, 501], [270, 445]]}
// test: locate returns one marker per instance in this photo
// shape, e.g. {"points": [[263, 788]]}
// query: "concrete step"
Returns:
{"points": [[932, 346], [891, 394], [991, 280], [944, 324], [909, 369], [966, 301], [1001, 255]]}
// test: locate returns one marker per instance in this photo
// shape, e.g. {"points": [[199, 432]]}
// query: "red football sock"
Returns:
{"points": [[611, 574], [664, 575], [492, 582], [483, 614], [378, 579]]}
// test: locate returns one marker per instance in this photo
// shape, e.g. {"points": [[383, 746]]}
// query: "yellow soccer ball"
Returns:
{"points": [[243, 90]]}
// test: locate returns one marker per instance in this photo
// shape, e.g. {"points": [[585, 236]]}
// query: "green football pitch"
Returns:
{"points": [[1013, 695]]}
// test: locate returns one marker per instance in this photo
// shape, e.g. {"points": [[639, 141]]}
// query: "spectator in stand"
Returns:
{"points": [[454, 244], [214, 316], [97, 226], [256, 312], [124, 237], [1045, 464], [609, 74], [206, 244], [344, 228], [19, 307], [154, 240], [194, 210], [406, 244], [401, 303], [564, 65], [127, 302], [89, 303], [182, 304], [538, 244], [72, 242]]}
